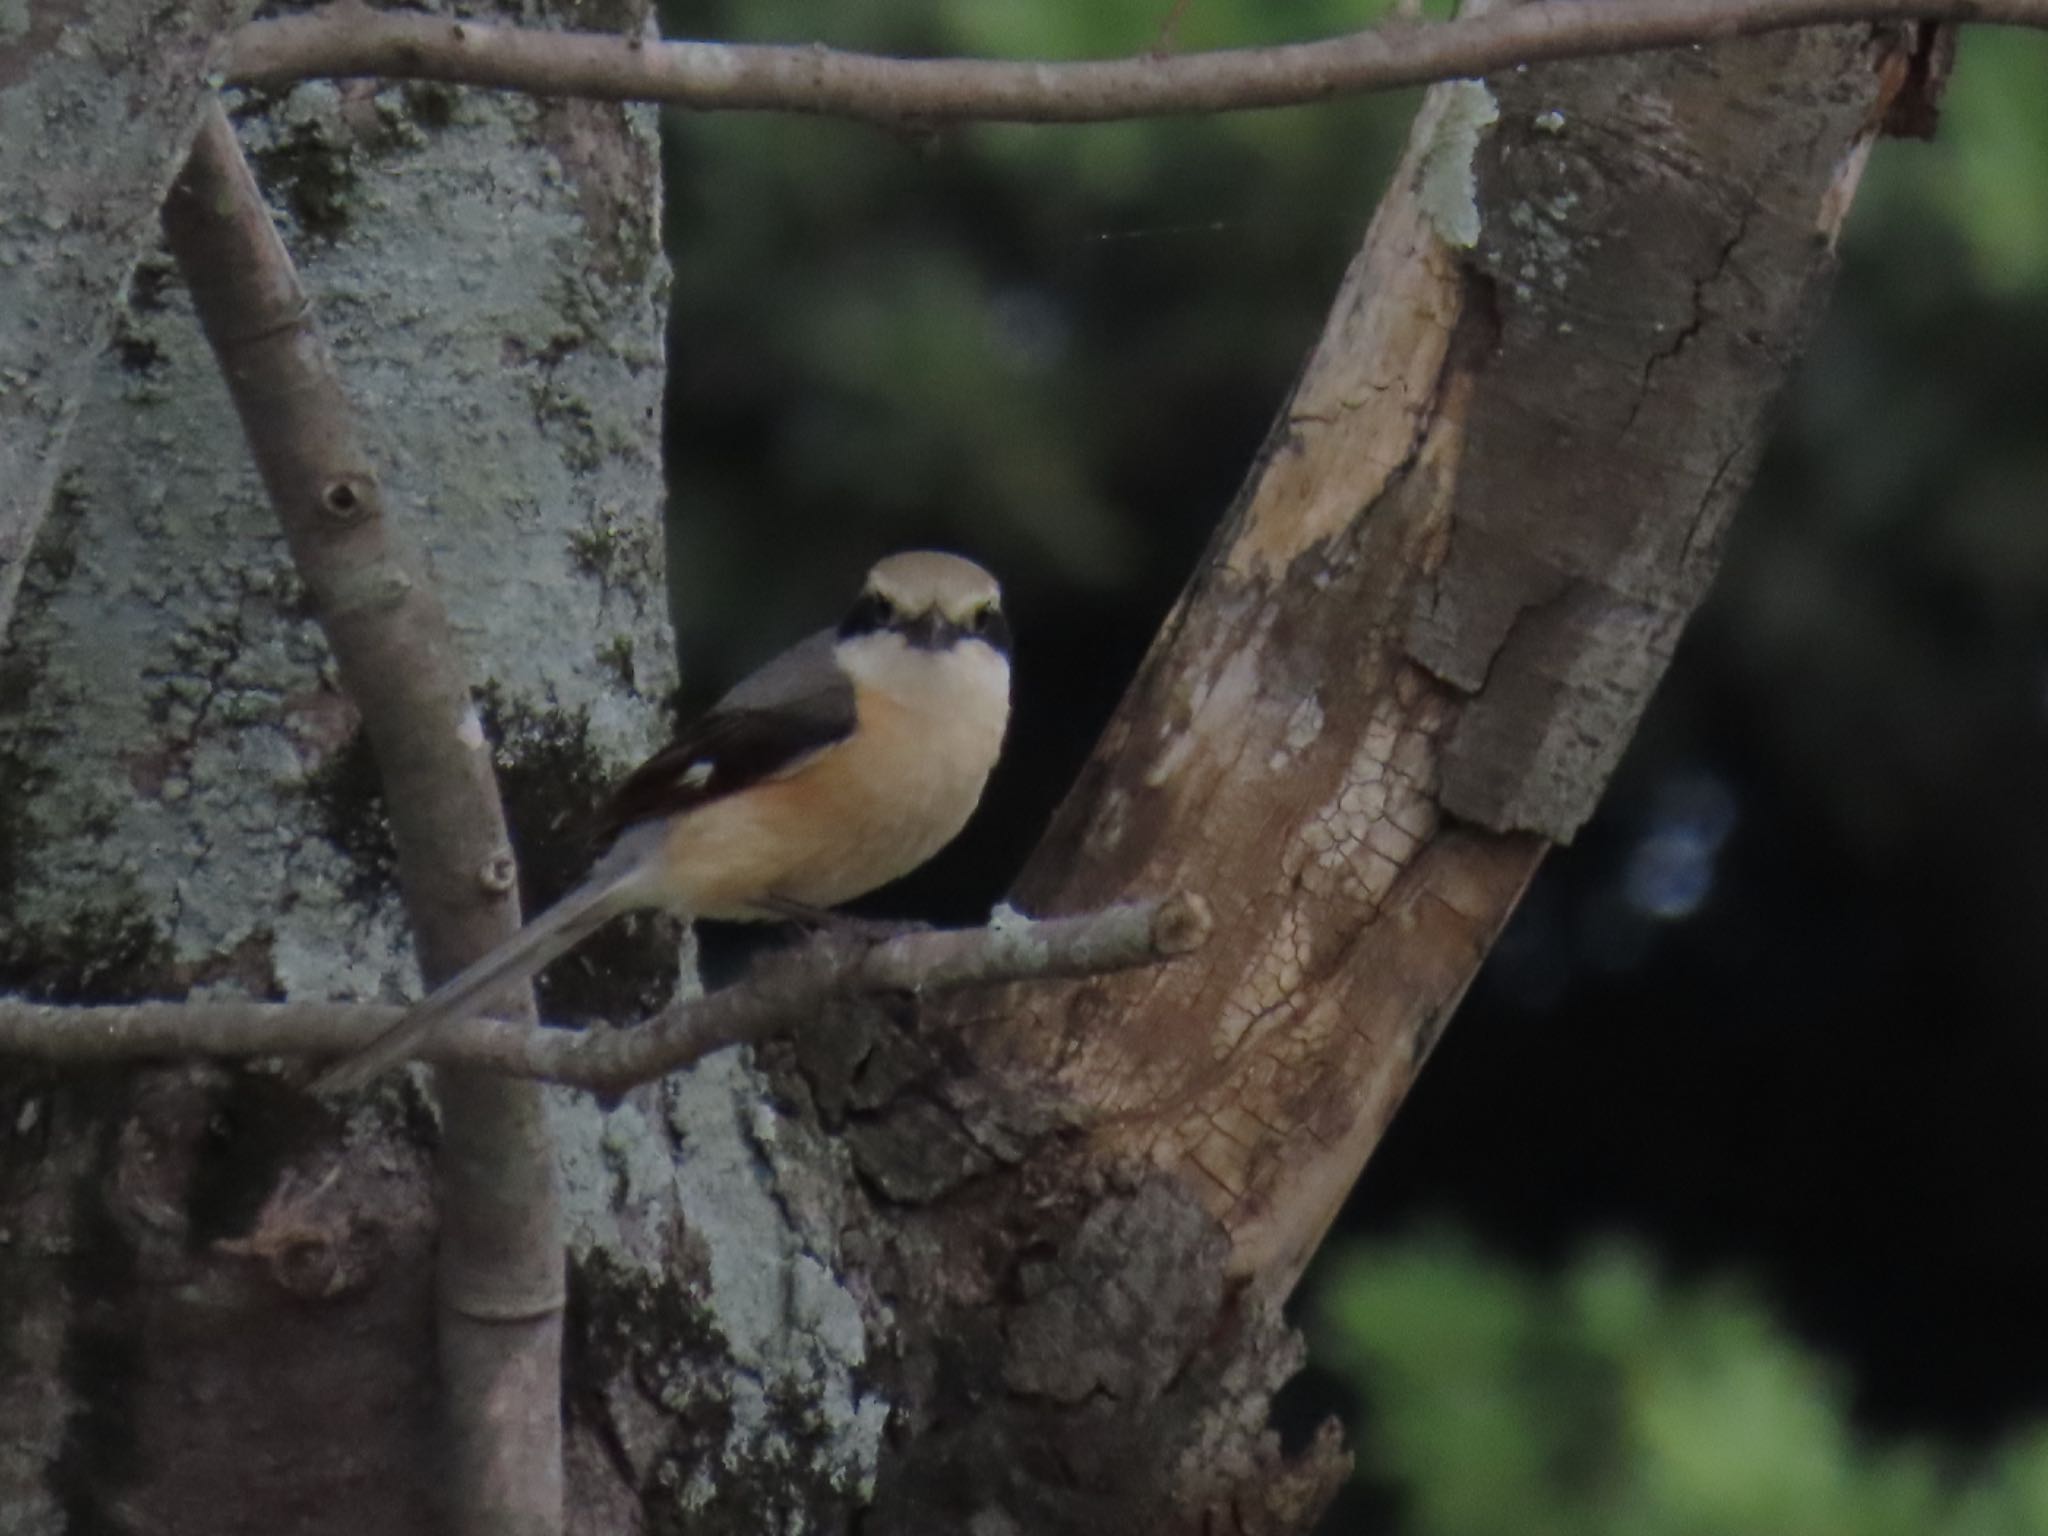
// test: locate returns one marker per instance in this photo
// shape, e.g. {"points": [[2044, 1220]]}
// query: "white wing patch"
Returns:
{"points": [[698, 774]]}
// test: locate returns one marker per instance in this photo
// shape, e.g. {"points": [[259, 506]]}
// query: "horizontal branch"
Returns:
{"points": [[348, 40], [780, 993]]}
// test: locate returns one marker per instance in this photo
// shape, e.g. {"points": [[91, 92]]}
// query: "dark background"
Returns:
{"points": [[1778, 1012]]}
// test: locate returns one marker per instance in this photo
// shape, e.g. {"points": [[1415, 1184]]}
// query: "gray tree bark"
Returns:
{"points": [[1006, 1265], [79, 184], [188, 803]]}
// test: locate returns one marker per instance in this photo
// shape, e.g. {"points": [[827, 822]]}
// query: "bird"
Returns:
{"points": [[845, 762]]}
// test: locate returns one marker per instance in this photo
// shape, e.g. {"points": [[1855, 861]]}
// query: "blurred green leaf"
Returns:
{"points": [[1605, 1401], [1986, 171], [1054, 347]]}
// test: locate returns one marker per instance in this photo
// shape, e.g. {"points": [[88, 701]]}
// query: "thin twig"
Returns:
{"points": [[782, 992], [348, 40], [500, 1256]]}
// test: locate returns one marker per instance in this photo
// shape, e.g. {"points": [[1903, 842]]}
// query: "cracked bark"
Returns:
{"points": [[1068, 1218]]}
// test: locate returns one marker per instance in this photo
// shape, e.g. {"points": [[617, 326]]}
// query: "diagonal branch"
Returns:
{"points": [[500, 1256], [780, 995], [347, 40], [1469, 619]]}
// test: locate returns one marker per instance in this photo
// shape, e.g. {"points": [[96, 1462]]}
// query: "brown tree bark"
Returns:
{"points": [[1429, 628]]}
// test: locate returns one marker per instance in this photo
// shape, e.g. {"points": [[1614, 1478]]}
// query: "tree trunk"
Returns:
{"points": [[1428, 629], [79, 184], [1007, 1266], [186, 802]]}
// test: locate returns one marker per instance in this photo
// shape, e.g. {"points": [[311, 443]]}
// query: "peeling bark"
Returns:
{"points": [[1430, 625]]}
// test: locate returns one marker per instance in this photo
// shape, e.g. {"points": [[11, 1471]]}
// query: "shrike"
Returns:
{"points": [[847, 761]]}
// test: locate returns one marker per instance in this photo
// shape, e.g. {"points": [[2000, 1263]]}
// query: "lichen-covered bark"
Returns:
{"points": [[723, 1368], [97, 103], [223, 820], [215, 1297]]}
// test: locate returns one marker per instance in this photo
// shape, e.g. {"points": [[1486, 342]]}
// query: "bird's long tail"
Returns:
{"points": [[556, 931]]}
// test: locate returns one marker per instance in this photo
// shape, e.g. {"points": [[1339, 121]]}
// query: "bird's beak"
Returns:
{"points": [[927, 632]]}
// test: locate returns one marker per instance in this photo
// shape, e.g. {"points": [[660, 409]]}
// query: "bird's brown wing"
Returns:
{"points": [[778, 719]]}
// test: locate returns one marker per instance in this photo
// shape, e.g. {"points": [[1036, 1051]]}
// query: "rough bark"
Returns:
{"points": [[80, 178], [216, 1298], [1429, 627]]}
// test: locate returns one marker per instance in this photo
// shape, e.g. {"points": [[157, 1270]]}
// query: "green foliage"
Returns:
{"points": [[1985, 172], [1019, 340], [1605, 1401]]}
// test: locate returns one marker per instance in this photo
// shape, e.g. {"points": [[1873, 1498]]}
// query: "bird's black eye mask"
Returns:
{"points": [[988, 624], [928, 631], [870, 614]]}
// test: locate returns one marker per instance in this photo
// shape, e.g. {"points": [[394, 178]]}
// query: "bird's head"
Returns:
{"points": [[933, 601]]}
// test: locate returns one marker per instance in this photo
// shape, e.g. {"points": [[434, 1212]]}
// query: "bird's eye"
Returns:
{"points": [[870, 612], [987, 623]]}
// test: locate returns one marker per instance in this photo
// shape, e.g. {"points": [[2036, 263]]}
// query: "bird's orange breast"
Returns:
{"points": [[857, 815]]}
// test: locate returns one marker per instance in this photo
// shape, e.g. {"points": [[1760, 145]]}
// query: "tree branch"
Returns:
{"points": [[1502, 610], [348, 40], [500, 1260], [782, 992]]}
